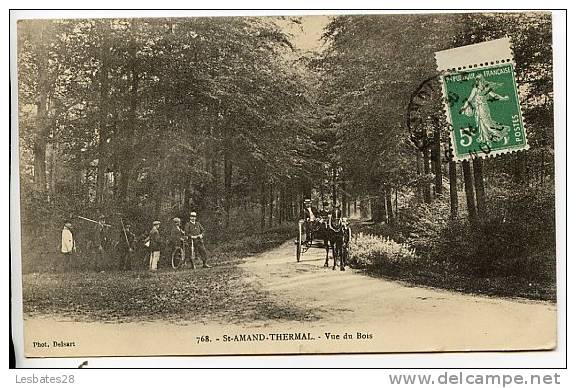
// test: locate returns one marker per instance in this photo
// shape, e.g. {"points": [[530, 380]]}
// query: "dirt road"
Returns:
{"points": [[404, 317], [334, 311]]}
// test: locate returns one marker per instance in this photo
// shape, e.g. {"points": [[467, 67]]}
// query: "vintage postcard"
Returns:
{"points": [[285, 185]]}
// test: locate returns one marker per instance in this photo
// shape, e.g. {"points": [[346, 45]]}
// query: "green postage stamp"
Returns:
{"points": [[481, 101]]}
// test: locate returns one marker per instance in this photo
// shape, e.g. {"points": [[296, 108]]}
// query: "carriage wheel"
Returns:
{"points": [[177, 258]]}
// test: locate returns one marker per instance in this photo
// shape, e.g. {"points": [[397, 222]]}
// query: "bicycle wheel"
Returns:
{"points": [[177, 258]]}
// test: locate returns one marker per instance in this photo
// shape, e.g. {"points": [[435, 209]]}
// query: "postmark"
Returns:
{"points": [[481, 103], [422, 117]]}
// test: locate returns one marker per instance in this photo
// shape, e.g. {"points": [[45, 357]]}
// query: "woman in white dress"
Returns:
{"points": [[68, 245], [477, 105]]}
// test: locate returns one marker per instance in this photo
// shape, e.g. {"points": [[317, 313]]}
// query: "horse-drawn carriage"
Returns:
{"points": [[329, 231]]}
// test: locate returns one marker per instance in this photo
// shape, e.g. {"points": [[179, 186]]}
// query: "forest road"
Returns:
{"points": [[400, 317]]}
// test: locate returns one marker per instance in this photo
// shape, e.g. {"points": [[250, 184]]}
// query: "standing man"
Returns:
{"points": [[126, 245], [100, 241], [175, 235], [155, 245], [100, 237], [68, 244], [195, 231]]}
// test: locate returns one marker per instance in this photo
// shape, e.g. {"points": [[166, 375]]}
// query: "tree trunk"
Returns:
{"points": [[40, 140], [385, 206], [128, 157], [419, 192], [306, 188], [469, 188], [103, 112], [271, 205], [281, 205], [334, 193], [344, 201], [426, 186], [453, 190], [365, 208], [377, 209], [479, 187], [437, 161], [390, 210], [52, 170], [40, 167]]}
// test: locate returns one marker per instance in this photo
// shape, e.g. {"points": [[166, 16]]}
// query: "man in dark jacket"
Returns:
{"points": [[308, 212], [175, 235], [195, 231], [100, 234], [126, 245], [100, 242]]}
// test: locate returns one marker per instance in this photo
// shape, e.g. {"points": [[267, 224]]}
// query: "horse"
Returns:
{"points": [[338, 234]]}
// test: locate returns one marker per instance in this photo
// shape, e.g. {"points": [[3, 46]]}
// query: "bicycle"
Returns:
{"points": [[179, 253]]}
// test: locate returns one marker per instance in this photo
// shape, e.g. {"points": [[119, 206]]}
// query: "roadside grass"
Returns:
{"points": [[216, 294], [437, 272]]}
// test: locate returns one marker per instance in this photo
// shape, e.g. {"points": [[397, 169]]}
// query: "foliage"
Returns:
{"points": [[510, 252], [156, 116], [383, 253]]}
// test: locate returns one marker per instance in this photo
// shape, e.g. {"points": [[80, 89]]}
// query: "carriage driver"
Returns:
{"points": [[308, 214]]}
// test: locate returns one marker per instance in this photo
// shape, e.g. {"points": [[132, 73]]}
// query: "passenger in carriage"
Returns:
{"points": [[325, 212]]}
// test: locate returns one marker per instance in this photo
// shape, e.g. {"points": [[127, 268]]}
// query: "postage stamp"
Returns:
{"points": [[482, 108]]}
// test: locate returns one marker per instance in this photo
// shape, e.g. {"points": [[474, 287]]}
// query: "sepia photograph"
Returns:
{"points": [[266, 185]]}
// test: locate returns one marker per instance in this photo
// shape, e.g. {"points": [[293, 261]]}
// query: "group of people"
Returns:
{"points": [[153, 241], [192, 233], [312, 217]]}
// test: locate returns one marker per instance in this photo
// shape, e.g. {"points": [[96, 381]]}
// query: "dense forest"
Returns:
{"points": [[150, 118]]}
